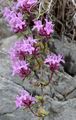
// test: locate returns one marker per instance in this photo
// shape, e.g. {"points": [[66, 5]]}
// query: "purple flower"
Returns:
{"points": [[31, 41], [24, 99], [28, 45], [14, 19], [48, 27], [6, 13], [26, 4], [22, 48], [21, 68], [28, 48], [17, 52], [38, 25], [45, 29], [31, 2], [54, 61]]}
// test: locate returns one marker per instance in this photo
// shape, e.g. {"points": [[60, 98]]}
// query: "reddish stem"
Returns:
{"points": [[33, 112], [49, 79]]}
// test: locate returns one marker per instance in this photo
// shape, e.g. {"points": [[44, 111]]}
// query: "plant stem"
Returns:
{"points": [[42, 118], [42, 102], [38, 62], [33, 112], [49, 79], [42, 94]]}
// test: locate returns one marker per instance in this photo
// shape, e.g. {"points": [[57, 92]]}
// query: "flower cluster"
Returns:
{"points": [[15, 19], [22, 48], [26, 5], [54, 61], [45, 29], [18, 53], [24, 99], [21, 68]]}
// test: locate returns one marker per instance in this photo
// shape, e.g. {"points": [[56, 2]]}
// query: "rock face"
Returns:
{"points": [[68, 49], [4, 30], [63, 104], [63, 110]]}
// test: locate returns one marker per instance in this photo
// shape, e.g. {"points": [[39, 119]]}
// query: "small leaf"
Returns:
{"points": [[39, 98], [42, 112]]}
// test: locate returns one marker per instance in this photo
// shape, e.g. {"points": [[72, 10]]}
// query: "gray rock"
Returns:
{"points": [[66, 84], [63, 110], [18, 115], [8, 92], [68, 49], [4, 29]]}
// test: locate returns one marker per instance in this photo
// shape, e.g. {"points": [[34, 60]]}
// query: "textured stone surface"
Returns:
{"points": [[66, 85], [63, 110], [68, 49], [4, 29]]}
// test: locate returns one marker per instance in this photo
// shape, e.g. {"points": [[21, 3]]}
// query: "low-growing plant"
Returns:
{"points": [[31, 55]]}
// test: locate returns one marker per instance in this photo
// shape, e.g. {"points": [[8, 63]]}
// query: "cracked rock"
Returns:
{"points": [[68, 50]]}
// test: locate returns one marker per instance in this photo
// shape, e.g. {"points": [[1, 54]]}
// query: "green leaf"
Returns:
{"points": [[42, 112], [39, 98]]}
